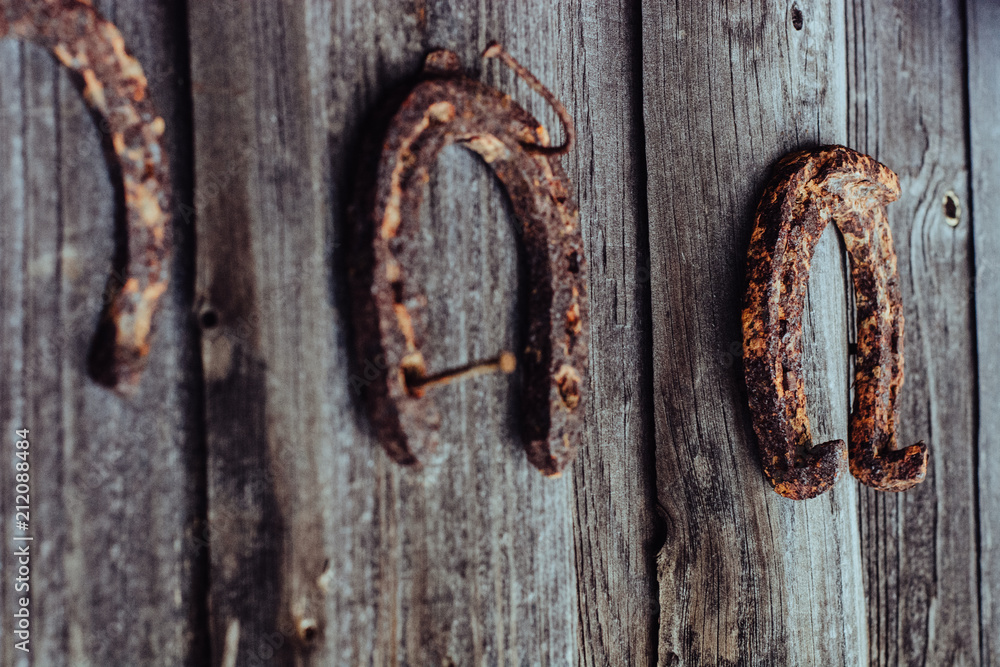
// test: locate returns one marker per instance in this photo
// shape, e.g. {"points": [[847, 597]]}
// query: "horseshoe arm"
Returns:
{"points": [[787, 227], [555, 352], [864, 188], [114, 86]]}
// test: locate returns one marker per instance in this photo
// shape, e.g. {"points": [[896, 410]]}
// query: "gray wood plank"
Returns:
{"points": [[618, 531], [983, 26], [246, 531], [476, 558], [116, 483], [906, 108], [746, 577]]}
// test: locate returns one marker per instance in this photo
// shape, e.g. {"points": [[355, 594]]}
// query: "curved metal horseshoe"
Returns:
{"points": [[114, 86], [809, 189], [390, 312]]}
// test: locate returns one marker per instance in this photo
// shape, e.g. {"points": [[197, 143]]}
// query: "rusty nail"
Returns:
{"points": [[114, 86], [445, 108], [418, 382], [808, 189]]}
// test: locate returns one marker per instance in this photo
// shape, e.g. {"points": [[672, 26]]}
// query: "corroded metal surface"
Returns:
{"points": [[390, 311], [808, 190], [114, 86]]}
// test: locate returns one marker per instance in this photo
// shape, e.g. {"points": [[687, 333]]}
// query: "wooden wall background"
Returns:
{"points": [[237, 510]]}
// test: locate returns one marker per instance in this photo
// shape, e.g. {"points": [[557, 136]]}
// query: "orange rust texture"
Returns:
{"points": [[114, 85], [390, 311], [809, 189]]}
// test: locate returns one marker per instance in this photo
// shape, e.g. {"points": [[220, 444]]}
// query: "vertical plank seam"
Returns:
{"points": [[200, 644], [973, 263], [59, 433], [645, 301]]}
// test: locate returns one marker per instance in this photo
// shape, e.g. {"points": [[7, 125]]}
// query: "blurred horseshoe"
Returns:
{"points": [[114, 86], [809, 189], [390, 311]]}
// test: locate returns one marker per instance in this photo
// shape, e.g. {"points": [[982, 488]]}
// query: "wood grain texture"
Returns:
{"points": [[746, 577], [983, 24], [617, 529], [243, 477], [475, 559], [115, 482], [249, 183], [906, 108]]}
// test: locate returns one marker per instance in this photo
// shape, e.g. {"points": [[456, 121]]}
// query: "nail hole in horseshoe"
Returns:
{"points": [[397, 291], [573, 259]]}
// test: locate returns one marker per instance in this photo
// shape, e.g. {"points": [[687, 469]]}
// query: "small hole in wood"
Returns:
{"points": [[796, 17], [209, 319], [308, 632], [952, 208]]}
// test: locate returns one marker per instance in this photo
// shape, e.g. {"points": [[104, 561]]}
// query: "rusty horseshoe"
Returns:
{"points": [[114, 86], [809, 189], [446, 108]]}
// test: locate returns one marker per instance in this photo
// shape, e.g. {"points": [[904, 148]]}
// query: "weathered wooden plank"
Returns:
{"points": [[235, 159], [983, 25], [474, 559], [115, 482], [745, 576], [491, 580], [906, 108], [617, 529]]}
